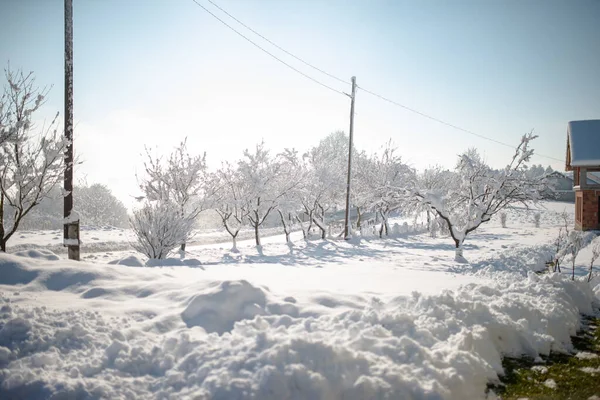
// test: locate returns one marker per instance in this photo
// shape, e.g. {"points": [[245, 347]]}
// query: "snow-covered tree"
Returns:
{"points": [[390, 180], [31, 164], [325, 187], [478, 192], [292, 173], [232, 201], [159, 228], [96, 205], [434, 178], [181, 181], [362, 193], [265, 182]]}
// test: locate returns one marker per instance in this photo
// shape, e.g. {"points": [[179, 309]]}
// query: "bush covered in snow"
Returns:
{"points": [[159, 229]]}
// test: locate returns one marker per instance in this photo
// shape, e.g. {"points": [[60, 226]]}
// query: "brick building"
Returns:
{"points": [[583, 156]]}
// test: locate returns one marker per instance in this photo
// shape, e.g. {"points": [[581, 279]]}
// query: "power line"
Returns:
{"points": [[342, 80], [447, 123], [267, 52], [279, 47]]}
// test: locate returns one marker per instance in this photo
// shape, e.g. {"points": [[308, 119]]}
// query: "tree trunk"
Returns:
{"points": [[321, 226], [2, 241], [182, 246], [256, 234], [384, 224], [428, 221], [458, 252], [301, 227], [358, 218], [285, 227]]}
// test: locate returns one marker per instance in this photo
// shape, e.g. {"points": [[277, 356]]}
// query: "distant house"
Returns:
{"points": [[562, 187], [583, 158]]}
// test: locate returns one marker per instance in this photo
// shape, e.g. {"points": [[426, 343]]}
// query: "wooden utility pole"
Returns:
{"points": [[71, 221], [347, 219]]}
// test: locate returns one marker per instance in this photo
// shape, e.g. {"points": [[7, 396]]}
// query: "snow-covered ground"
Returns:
{"points": [[372, 319]]}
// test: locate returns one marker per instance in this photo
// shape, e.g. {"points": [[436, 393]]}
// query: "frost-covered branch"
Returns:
{"points": [[477, 192], [30, 164], [181, 180]]}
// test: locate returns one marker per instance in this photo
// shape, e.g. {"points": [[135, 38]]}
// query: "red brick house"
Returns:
{"points": [[583, 156]]}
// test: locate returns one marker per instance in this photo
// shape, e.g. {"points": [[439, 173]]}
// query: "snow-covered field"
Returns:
{"points": [[372, 319]]}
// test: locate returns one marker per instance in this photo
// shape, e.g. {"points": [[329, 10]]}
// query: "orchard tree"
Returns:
{"points": [[389, 181], [181, 181], [159, 228], [265, 183], [291, 174], [326, 188], [478, 192], [31, 164], [232, 201], [432, 179], [362, 194]]}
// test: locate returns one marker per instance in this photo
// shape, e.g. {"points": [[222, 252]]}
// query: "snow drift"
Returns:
{"points": [[152, 333]]}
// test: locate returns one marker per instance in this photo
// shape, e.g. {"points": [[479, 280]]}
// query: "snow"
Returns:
{"points": [[584, 141], [131, 261], [550, 383], [392, 318], [72, 218], [590, 370], [584, 355], [539, 368]]}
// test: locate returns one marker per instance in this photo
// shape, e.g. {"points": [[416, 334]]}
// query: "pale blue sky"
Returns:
{"points": [[154, 71]]}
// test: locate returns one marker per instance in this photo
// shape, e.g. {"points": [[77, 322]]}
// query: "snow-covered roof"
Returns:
{"points": [[583, 143]]}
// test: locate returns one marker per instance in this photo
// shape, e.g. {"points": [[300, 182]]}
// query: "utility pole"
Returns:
{"points": [[347, 220], [71, 221]]}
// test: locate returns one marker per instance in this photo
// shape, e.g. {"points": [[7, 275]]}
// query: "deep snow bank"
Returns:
{"points": [[232, 339]]}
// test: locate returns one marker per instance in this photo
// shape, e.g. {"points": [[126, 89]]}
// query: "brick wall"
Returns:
{"points": [[589, 215]]}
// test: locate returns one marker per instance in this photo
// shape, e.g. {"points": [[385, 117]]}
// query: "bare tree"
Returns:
{"points": [[267, 183], [390, 180], [291, 174], [232, 202], [595, 255], [159, 229], [574, 247], [30, 164], [180, 181], [325, 187], [478, 192]]}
